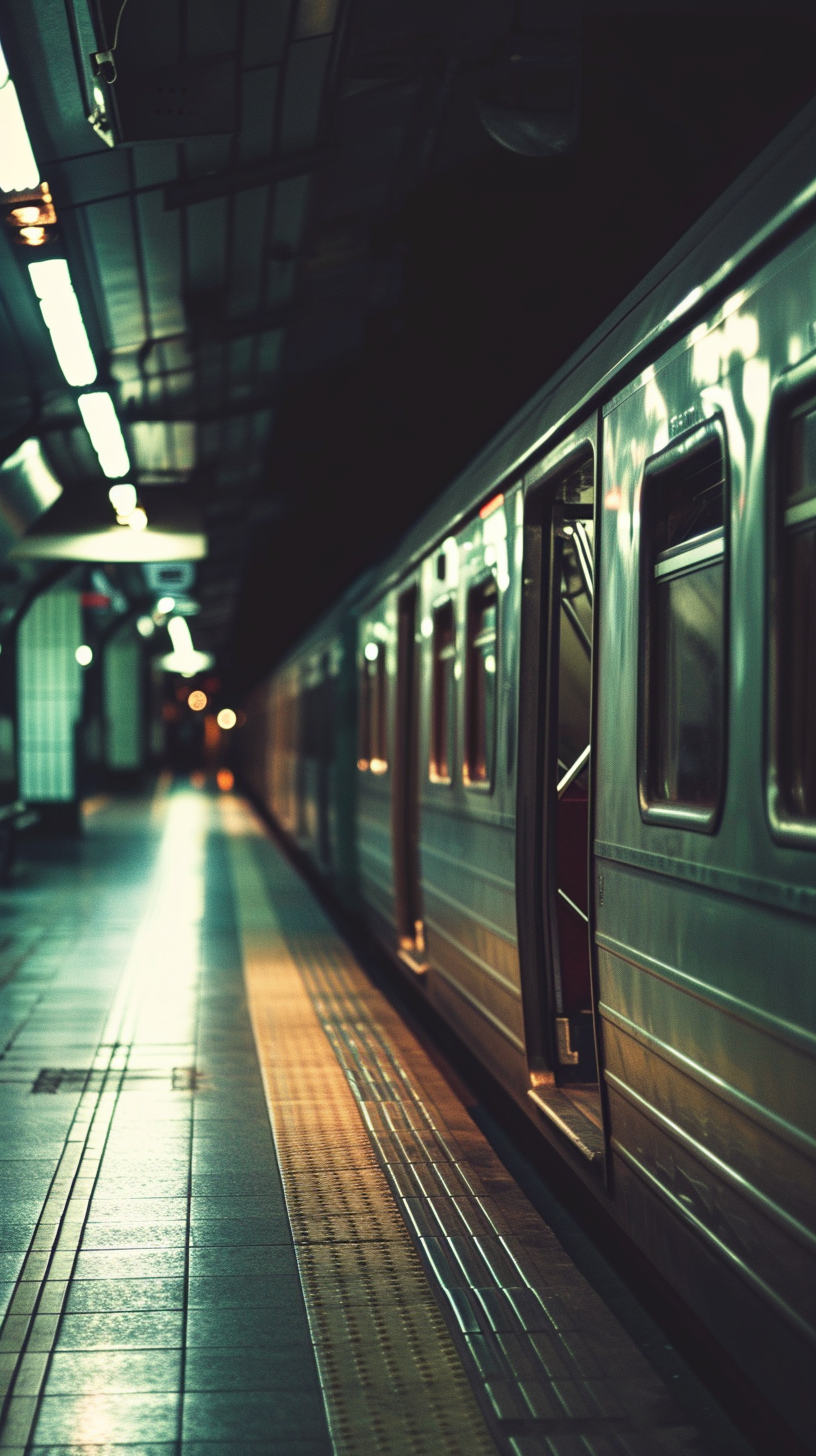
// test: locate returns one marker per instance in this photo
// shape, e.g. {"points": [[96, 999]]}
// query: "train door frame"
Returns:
{"points": [[534, 827], [405, 786]]}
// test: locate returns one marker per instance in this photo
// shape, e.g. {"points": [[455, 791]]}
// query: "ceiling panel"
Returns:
{"points": [[265, 28], [161, 257], [314, 17], [111, 233], [258, 96], [249, 217], [303, 93], [206, 243]]}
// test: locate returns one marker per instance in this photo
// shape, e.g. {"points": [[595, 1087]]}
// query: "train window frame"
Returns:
{"points": [[373, 684], [448, 677], [676, 562], [793, 395], [484, 785]]}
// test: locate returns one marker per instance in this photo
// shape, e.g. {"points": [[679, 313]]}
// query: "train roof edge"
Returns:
{"points": [[770, 195]]}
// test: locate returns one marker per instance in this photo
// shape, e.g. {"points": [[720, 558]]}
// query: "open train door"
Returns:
{"points": [[555, 798], [405, 790]]}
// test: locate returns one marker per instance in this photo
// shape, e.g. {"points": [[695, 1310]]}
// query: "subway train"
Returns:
{"points": [[559, 751]]}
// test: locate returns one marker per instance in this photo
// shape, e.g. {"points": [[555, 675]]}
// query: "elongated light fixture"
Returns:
{"points": [[60, 309], [183, 658], [105, 431], [18, 167]]}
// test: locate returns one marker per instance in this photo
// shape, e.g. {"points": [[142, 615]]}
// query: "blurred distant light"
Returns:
{"points": [[123, 498], [84, 655], [60, 309], [187, 664], [137, 520], [490, 506], [33, 236], [371, 651], [18, 168], [165, 605], [227, 719], [197, 700], [145, 626], [26, 215], [225, 779], [184, 658], [180, 635], [105, 431]]}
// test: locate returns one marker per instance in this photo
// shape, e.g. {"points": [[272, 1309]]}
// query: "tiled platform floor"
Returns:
{"points": [[165, 1306], [173, 1283]]}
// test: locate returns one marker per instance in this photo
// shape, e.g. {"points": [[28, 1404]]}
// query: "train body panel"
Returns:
{"points": [[559, 750], [708, 1016]]}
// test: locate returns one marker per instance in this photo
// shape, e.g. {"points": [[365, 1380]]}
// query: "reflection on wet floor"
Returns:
{"points": [[151, 1289]]}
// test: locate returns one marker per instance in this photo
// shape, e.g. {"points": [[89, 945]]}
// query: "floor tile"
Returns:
{"points": [[286, 1445], [227, 1369], [218, 1262], [263, 1328], [246, 1231], [112, 1372], [146, 1234], [111, 1295], [95, 1420], [250, 1415], [244, 1291], [129, 1264], [134, 1330], [151, 1448]]}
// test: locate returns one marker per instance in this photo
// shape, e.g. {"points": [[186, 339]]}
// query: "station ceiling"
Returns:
{"points": [[312, 283]]}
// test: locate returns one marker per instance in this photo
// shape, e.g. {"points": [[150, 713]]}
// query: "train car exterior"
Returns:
{"points": [[562, 756]]}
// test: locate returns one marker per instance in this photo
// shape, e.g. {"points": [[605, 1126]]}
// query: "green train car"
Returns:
{"points": [[560, 751]]}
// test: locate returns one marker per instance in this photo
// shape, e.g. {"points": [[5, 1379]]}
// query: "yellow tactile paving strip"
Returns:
{"points": [[392, 1379], [381, 1162]]}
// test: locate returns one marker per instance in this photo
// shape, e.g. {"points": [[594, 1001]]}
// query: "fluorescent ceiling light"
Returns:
{"points": [[183, 658], [105, 431], [187, 664], [180, 634], [18, 167], [123, 498], [60, 309]]}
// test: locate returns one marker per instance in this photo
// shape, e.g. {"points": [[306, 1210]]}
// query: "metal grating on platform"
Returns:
{"points": [[553, 1372]]}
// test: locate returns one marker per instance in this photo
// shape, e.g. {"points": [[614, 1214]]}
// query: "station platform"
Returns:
{"points": [[242, 1210]]}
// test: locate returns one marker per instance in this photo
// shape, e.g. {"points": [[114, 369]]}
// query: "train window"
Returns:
{"points": [[796, 619], [372, 721], [480, 684], [684, 660], [444, 656]]}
